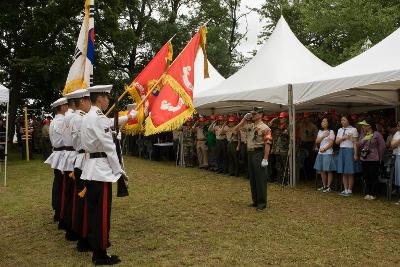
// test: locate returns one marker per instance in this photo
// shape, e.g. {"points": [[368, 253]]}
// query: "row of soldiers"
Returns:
{"points": [[85, 164], [219, 146]]}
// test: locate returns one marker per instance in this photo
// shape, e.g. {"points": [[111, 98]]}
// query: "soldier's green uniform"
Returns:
{"points": [[188, 144], [280, 150], [258, 137]]}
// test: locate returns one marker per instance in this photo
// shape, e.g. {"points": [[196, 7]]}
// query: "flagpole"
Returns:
{"points": [[126, 91]]}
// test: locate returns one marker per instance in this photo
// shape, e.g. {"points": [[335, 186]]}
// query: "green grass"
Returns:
{"points": [[177, 217]]}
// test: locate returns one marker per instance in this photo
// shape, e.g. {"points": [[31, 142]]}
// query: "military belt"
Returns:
{"points": [[97, 155], [69, 148], [81, 151]]}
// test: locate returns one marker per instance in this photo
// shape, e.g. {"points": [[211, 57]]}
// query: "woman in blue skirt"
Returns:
{"points": [[325, 164], [348, 160], [395, 144]]}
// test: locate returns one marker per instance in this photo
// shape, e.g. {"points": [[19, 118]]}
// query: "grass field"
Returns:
{"points": [[178, 217]]}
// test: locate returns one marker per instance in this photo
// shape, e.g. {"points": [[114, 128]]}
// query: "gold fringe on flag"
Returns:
{"points": [[179, 90], [170, 125], [203, 42]]}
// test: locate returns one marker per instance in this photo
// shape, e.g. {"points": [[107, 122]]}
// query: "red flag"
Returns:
{"points": [[174, 104], [144, 82]]}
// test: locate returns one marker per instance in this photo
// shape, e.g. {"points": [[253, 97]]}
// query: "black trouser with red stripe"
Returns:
{"points": [[56, 193], [99, 197], [79, 217]]}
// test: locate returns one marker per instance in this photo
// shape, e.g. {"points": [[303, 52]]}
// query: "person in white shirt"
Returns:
{"points": [[102, 168], [56, 129], [395, 144], [324, 163], [348, 159]]}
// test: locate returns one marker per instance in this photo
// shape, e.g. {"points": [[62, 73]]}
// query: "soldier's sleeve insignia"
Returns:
{"points": [[98, 112], [82, 113]]}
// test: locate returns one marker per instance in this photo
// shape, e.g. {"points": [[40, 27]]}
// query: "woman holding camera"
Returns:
{"points": [[372, 146]]}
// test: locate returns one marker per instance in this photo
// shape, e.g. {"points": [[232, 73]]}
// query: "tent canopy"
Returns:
{"points": [[4, 94], [371, 78], [281, 61], [200, 83]]}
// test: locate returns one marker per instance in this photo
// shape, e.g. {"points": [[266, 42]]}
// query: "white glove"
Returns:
{"points": [[124, 173], [133, 113], [248, 116], [264, 163], [119, 136]]}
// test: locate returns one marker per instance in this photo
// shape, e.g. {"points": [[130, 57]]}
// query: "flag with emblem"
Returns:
{"points": [[146, 79], [81, 72], [174, 104]]}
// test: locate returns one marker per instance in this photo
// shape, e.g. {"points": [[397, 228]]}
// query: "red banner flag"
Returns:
{"points": [[139, 88], [174, 104]]}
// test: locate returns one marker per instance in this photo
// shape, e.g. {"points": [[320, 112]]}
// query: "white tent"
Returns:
{"points": [[200, 83], [4, 98], [264, 79], [369, 81]]}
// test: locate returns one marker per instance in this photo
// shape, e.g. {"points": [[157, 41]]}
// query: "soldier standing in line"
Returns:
{"points": [[56, 129], [281, 148], [102, 168], [211, 145], [259, 140], [201, 143], [232, 137], [79, 213], [219, 128], [243, 131], [188, 143]]}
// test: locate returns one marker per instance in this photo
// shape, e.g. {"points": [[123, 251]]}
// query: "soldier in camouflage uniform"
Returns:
{"points": [[232, 137], [219, 128], [281, 147], [201, 143], [188, 143]]}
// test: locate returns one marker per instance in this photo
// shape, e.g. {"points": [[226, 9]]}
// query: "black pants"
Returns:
{"points": [[243, 159], [56, 193], [370, 174], [99, 197], [221, 151], [310, 160], [233, 159], [258, 178], [79, 222], [68, 199]]}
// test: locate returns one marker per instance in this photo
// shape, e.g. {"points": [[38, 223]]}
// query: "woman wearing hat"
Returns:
{"points": [[325, 164], [395, 144], [348, 164], [372, 146]]}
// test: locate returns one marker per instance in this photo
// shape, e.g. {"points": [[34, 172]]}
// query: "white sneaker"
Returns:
{"points": [[321, 189], [343, 193], [372, 197], [397, 203], [327, 190], [367, 197]]}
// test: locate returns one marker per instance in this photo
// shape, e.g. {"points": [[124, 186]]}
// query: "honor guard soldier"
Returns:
{"points": [[201, 143], [219, 127], [259, 140], [102, 168], [81, 98], [56, 129]]}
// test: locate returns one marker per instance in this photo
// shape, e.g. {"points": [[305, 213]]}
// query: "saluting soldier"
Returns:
{"points": [[81, 98], [232, 137], [56, 129], [102, 168], [201, 143], [212, 146], [219, 127], [259, 140]]}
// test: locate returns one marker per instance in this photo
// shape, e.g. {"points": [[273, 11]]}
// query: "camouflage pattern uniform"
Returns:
{"points": [[281, 149], [188, 146], [233, 154]]}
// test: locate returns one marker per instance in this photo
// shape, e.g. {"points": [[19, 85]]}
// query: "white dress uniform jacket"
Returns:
{"points": [[56, 130], [76, 124], [69, 156], [96, 136]]}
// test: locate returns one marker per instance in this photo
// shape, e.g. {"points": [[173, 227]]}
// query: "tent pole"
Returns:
{"points": [[292, 179], [6, 147]]}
